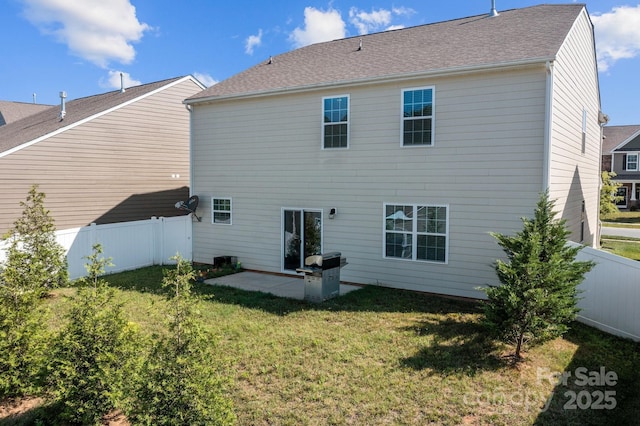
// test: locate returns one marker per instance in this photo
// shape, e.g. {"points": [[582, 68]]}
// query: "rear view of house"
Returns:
{"points": [[114, 157], [402, 150]]}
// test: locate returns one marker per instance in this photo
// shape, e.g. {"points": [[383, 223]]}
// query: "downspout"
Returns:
{"points": [[603, 119], [191, 169], [548, 124], [190, 109]]}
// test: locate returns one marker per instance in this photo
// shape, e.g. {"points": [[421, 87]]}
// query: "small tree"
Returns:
{"points": [[179, 382], [538, 295], [609, 195], [35, 261], [95, 354]]}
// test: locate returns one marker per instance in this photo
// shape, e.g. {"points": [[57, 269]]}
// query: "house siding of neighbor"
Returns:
{"points": [[114, 157], [417, 217], [621, 154]]}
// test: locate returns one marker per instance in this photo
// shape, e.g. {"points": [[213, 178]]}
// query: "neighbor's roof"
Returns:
{"points": [[615, 135], [14, 111], [514, 36], [45, 122]]}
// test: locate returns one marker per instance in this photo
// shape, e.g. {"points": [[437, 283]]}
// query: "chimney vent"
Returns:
{"points": [[63, 111], [493, 11], [121, 83]]}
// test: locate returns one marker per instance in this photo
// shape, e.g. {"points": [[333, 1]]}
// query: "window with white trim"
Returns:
{"points": [[335, 122], [417, 116], [416, 232], [221, 211], [631, 162]]}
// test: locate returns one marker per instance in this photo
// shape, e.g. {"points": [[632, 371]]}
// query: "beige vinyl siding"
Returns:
{"points": [[574, 176], [120, 166], [485, 165]]}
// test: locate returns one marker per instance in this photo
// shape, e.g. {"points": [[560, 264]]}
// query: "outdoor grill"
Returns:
{"points": [[322, 276]]}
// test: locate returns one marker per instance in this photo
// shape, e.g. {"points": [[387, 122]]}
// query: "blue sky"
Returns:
{"points": [[82, 46]]}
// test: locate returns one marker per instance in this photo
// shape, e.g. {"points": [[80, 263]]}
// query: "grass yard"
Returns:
{"points": [[623, 219], [629, 248], [382, 356]]}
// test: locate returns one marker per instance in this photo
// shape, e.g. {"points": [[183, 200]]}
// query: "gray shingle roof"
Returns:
{"points": [[47, 121], [519, 35], [14, 111], [615, 135]]}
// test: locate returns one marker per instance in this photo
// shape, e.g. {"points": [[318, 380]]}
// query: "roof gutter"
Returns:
{"points": [[383, 79]]}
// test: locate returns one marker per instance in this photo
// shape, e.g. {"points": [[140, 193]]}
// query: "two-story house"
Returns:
{"points": [[621, 154], [403, 149], [113, 157]]}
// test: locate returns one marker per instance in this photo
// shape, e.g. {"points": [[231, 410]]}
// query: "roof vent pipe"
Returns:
{"points": [[63, 111], [121, 83], [493, 12], [34, 97]]}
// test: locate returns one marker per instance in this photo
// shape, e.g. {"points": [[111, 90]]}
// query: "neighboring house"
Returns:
{"points": [[403, 150], [113, 157], [621, 154], [14, 111]]}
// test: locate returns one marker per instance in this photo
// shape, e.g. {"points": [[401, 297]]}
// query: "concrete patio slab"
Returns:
{"points": [[291, 287]]}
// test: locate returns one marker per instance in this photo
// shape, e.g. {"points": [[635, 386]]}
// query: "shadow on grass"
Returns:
{"points": [[580, 399], [456, 346], [367, 299], [458, 343]]}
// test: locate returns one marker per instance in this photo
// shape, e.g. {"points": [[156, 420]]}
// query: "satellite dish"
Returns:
{"points": [[189, 206], [192, 203]]}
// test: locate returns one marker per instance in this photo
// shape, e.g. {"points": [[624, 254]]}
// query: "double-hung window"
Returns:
{"points": [[416, 232], [417, 116], [221, 211], [631, 162], [335, 123]]}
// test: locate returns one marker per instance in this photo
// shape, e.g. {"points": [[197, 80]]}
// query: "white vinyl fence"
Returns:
{"points": [[610, 298], [611, 294], [130, 245]]}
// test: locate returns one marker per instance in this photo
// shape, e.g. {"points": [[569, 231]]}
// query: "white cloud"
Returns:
{"points": [[205, 79], [97, 30], [377, 20], [113, 80], [367, 22], [319, 26], [253, 41], [403, 11], [617, 35]]}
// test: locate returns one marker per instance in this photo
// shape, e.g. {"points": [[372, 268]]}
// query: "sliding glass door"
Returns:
{"points": [[302, 236]]}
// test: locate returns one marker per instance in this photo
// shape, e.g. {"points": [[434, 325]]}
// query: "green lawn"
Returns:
{"points": [[382, 356], [628, 248], [623, 219]]}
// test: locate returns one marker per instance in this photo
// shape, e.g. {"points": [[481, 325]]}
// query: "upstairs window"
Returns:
{"points": [[417, 117], [335, 126], [221, 211], [416, 232], [631, 162]]}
